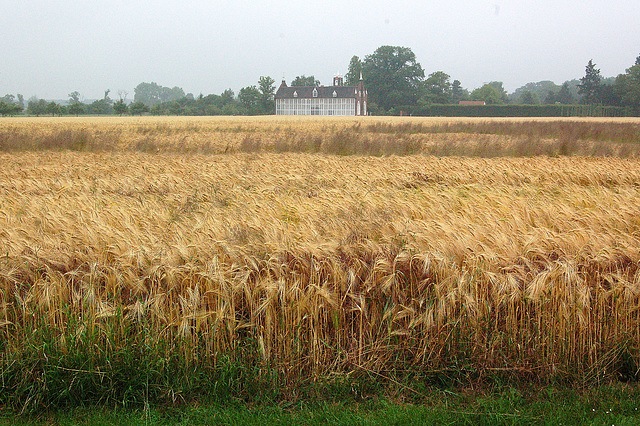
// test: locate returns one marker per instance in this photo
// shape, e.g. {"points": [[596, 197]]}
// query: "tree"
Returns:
{"points": [[9, 108], [138, 108], [458, 93], [491, 93], [101, 106], [437, 88], [75, 107], [550, 99], [564, 95], [37, 107], [528, 98], [627, 85], [352, 78], [539, 90], [392, 76], [8, 99], [120, 107], [610, 95], [8, 105], [5, 109], [152, 94], [250, 97], [303, 80], [52, 108], [74, 97], [267, 89], [589, 86], [227, 97], [122, 94]]}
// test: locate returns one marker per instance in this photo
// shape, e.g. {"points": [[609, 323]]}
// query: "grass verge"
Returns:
{"points": [[613, 404]]}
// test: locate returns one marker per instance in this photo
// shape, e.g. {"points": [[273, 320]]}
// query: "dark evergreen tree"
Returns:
{"points": [[352, 78], [590, 84], [458, 93]]}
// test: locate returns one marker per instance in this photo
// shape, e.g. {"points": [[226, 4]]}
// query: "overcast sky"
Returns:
{"points": [[53, 47]]}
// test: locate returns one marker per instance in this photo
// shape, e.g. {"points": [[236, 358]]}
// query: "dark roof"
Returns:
{"points": [[323, 91]]}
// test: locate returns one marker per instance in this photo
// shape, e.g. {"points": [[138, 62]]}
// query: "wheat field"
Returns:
{"points": [[321, 264]]}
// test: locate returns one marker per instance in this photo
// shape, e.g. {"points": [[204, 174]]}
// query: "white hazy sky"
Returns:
{"points": [[53, 47]]}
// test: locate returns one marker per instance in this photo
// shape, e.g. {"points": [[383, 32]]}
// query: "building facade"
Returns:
{"points": [[322, 100]]}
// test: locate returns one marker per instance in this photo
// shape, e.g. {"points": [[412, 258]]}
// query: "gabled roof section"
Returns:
{"points": [[285, 92]]}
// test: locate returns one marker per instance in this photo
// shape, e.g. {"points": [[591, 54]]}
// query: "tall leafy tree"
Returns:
{"points": [[250, 97], [437, 88], [539, 90], [491, 93], [590, 84], [267, 88], [8, 99], [628, 86], [564, 95], [352, 78], [227, 97], [392, 76], [8, 106], [550, 98], [303, 80], [52, 108], [75, 106], [37, 107], [101, 106], [74, 97], [152, 94], [120, 107], [528, 98], [138, 108]]}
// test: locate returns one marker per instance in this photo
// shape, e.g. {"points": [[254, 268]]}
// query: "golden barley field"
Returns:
{"points": [[324, 247]]}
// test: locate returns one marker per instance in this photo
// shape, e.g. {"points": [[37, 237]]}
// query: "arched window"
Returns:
{"points": [[315, 92]]}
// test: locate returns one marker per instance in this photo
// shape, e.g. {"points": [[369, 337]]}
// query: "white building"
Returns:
{"points": [[322, 100]]}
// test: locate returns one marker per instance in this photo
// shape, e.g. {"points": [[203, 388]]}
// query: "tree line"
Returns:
{"points": [[395, 81]]}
